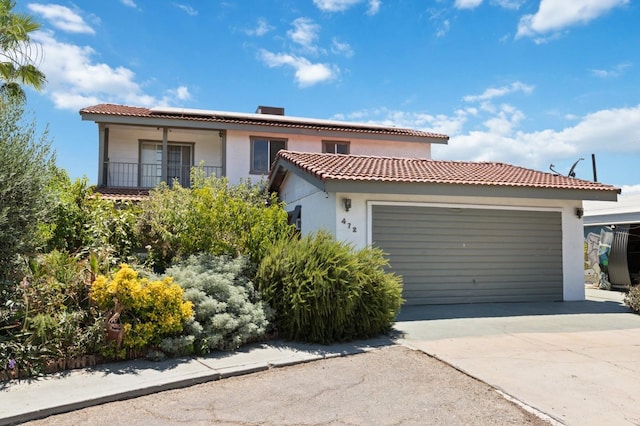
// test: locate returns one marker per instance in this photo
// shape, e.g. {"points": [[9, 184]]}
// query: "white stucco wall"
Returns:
{"points": [[359, 218], [124, 147], [239, 149], [124, 143], [319, 210]]}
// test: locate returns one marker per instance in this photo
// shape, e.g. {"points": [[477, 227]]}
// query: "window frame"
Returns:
{"points": [[335, 144], [270, 140]]}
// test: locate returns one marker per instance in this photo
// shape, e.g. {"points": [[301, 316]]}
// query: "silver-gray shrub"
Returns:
{"points": [[228, 311]]}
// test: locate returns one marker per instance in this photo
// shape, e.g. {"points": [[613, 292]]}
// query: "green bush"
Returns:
{"points": [[83, 222], [324, 291], [632, 299], [228, 310], [48, 315], [212, 217]]}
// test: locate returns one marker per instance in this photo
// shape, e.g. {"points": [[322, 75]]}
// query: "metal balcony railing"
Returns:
{"points": [[141, 175]]}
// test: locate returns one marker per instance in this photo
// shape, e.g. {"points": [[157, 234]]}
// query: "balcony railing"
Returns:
{"points": [[141, 175]]}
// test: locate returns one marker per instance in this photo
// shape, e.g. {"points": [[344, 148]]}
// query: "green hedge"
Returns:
{"points": [[325, 291]]}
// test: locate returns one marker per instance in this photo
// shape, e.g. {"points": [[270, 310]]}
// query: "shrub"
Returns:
{"points": [[632, 299], [47, 316], [228, 310], [324, 291], [149, 310], [83, 222], [213, 217]]}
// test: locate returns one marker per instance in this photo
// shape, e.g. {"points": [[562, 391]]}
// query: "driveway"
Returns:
{"points": [[577, 362]]}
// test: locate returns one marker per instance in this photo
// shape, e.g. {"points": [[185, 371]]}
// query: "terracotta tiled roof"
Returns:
{"points": [[122, 194], [256, 119], [387, 169]]}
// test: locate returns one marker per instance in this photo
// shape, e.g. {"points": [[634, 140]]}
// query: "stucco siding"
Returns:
{"points": [[239, 149], [124, 144], [318, 208]]}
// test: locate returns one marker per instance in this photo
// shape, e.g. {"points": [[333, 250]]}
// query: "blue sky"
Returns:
{"points": [[530, 83]]}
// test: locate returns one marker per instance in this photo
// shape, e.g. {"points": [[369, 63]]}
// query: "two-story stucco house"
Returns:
{"points": [[457, 232], [141, 147]]}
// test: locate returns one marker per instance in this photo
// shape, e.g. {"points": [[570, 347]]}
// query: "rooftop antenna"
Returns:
{"points": [[572, 172], [551, 167]]}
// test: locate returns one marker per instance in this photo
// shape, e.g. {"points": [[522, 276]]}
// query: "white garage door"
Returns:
{"points": [[465, 255]]}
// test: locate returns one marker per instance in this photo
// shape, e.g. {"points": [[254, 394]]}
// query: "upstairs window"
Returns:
{"points": [[335, 147], [263, 153]]}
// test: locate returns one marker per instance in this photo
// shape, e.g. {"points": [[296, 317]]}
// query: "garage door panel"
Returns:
{"points": [[536, 243], [505, 298], [485, 293], [452, 255], [479, 230], [436, 283], [443, 285], [461, 265], [506, 257]]}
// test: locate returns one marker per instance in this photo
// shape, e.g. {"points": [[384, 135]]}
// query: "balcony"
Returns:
{"points": [[147, 176]]}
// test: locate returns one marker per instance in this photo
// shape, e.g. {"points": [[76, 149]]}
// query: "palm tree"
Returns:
{"points": [[17, 54]]}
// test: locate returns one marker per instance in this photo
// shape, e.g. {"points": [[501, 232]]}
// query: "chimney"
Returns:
{"points": [[270, 110]]}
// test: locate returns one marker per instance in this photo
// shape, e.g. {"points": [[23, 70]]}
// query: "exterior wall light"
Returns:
{"points": [[346, 203], [579, 212]]}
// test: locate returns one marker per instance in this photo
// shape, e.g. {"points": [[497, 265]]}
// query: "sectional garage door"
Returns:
{"points": [[467, 255]]}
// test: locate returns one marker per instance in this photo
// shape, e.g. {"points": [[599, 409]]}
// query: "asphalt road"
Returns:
{"points": [[387, 386]]}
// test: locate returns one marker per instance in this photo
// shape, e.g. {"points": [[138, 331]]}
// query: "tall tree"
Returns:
{"points": [[26, 165], [18, 55]]}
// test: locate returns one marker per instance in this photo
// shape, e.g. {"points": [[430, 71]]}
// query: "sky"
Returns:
{"points": [[532, 83]]}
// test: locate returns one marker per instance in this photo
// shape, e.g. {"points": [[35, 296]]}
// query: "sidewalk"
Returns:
{"points": [[26, 400]]}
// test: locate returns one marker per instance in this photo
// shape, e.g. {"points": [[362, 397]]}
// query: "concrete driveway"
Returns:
{"points": [[577, 362]]}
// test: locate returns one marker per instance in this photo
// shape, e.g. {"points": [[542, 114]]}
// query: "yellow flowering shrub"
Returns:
{"points": [[152, 310]]}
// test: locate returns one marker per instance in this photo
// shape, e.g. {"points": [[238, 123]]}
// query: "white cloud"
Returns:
{"points": [[505, 121], [129, 3], [472, 4], [342, 5], [374, 7], [440, 123], [482, 135], [188, 9], [467, 4], [495, 92], [509, 4], [440, 21], [554, 16], [616, 71], [630, 189], [181, 93], [443, 29], [75, 81], [306, 73], [340, 48], [304, 33], [502, 141], [261, 28], [61, 17]]}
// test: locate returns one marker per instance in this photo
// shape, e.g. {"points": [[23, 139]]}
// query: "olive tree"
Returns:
{"points": [[26, 163]]}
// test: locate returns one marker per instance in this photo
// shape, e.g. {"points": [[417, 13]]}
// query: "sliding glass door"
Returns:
{"points": [[179, 161]]}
